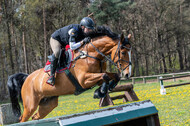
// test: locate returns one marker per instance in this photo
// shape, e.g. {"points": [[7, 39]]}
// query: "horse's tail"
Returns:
{"points": [[14, 85]]}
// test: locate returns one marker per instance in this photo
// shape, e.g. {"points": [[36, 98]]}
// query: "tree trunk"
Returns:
{"points": [[136, 63], [3, 70], [25, 50], [14, 38], [164, 63], [45, 34], [8, 17], [179, 51]]}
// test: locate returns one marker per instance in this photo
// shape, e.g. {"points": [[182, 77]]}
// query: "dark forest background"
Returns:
{"points": [[160, 32]]}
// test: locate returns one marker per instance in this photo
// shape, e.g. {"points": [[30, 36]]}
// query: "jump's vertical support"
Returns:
{"points": [[105, 101], [162, 89], [129, 95]]}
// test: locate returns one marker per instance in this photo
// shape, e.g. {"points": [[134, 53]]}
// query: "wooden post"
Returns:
{"points": [[162, 89], [105, 101], [158, 79], [133, 80], [174, 78], [144, 80]]}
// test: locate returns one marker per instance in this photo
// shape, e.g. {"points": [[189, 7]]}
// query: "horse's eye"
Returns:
{"points": [[123, 53]]}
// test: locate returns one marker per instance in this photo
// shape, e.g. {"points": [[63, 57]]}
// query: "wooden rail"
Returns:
{"points": [[169, 78], [175, 85], [163, 90], [174, 75]]}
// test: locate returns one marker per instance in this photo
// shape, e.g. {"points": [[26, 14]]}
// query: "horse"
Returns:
{"points": [[88, 71]]}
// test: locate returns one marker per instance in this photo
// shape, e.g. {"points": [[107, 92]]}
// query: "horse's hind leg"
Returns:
{"points": [[29, 109], [45, 107]]}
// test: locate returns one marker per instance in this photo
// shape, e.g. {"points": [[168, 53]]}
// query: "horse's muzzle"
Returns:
{"points": [[127, 76]]}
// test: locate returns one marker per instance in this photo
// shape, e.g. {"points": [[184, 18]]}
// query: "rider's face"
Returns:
{"points": [[87, 30]]}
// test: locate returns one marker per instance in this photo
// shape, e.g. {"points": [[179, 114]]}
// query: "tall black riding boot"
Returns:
{"points": [[51, 79]]}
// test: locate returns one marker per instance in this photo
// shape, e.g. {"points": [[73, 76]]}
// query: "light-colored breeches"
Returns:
{"points": [[55, 46]]}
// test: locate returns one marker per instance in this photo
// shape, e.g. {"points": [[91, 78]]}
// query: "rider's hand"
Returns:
{"points": [[86, 40]]}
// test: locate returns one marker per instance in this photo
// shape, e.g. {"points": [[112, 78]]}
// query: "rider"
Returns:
{"points": [[75, 35]]}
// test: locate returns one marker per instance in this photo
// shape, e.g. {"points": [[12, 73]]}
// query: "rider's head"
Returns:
{"points": [[87, 24]]}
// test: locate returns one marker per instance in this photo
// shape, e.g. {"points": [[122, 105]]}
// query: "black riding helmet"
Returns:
{"points": [[87, 22]]}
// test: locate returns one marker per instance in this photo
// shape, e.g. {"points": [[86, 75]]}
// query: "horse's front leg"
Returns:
{"points": [[93, 78], [115, 78]]}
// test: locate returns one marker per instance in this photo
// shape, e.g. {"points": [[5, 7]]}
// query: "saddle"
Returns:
{"points": [[64, 61], [64, 64]]}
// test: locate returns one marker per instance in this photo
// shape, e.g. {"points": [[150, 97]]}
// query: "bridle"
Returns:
{"points": [[119, 47], [119, 59]]}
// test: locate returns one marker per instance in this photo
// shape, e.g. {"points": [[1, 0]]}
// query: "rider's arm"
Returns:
{"points": [[74, 45], [72, 42]]}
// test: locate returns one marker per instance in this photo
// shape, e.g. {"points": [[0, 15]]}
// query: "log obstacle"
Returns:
{"points": [[142, 113], [129, 95], [163, 90]]}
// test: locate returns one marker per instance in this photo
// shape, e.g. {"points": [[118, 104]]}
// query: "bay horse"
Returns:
{"points": [[88, 72]]}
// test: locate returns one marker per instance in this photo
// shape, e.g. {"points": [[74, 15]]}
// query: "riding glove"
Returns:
{"points": [[86, 40]]}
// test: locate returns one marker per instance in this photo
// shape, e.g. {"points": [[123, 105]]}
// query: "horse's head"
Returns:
{"points": [[121, 55]]}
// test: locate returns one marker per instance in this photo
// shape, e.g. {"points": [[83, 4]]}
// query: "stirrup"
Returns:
{"points": [[51, 81]]}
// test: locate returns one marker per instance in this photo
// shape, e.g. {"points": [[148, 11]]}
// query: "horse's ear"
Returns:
{"points": [[122, 38]]}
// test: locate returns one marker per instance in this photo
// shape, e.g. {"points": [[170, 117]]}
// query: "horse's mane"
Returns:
{"points": [[103, 31]]}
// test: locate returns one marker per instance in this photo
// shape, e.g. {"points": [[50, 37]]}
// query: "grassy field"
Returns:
{"points": [[174, 107]]}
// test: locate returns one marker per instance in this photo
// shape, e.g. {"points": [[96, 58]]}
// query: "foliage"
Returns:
{"points": [[108, 11]]}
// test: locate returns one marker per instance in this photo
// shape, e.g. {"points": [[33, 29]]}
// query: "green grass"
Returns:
{"points": [[173, 108]]}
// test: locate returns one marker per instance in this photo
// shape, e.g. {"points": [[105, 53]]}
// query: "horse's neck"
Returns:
{"points": [[104, 45]]}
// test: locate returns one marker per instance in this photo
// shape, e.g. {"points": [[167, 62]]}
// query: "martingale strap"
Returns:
{"points": [[75, 83]]}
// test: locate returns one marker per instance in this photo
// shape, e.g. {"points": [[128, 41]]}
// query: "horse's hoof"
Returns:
{"points": [[98, 94]]}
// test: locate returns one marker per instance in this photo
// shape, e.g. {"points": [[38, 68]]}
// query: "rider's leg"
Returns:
{"points": [[55, 46]]}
